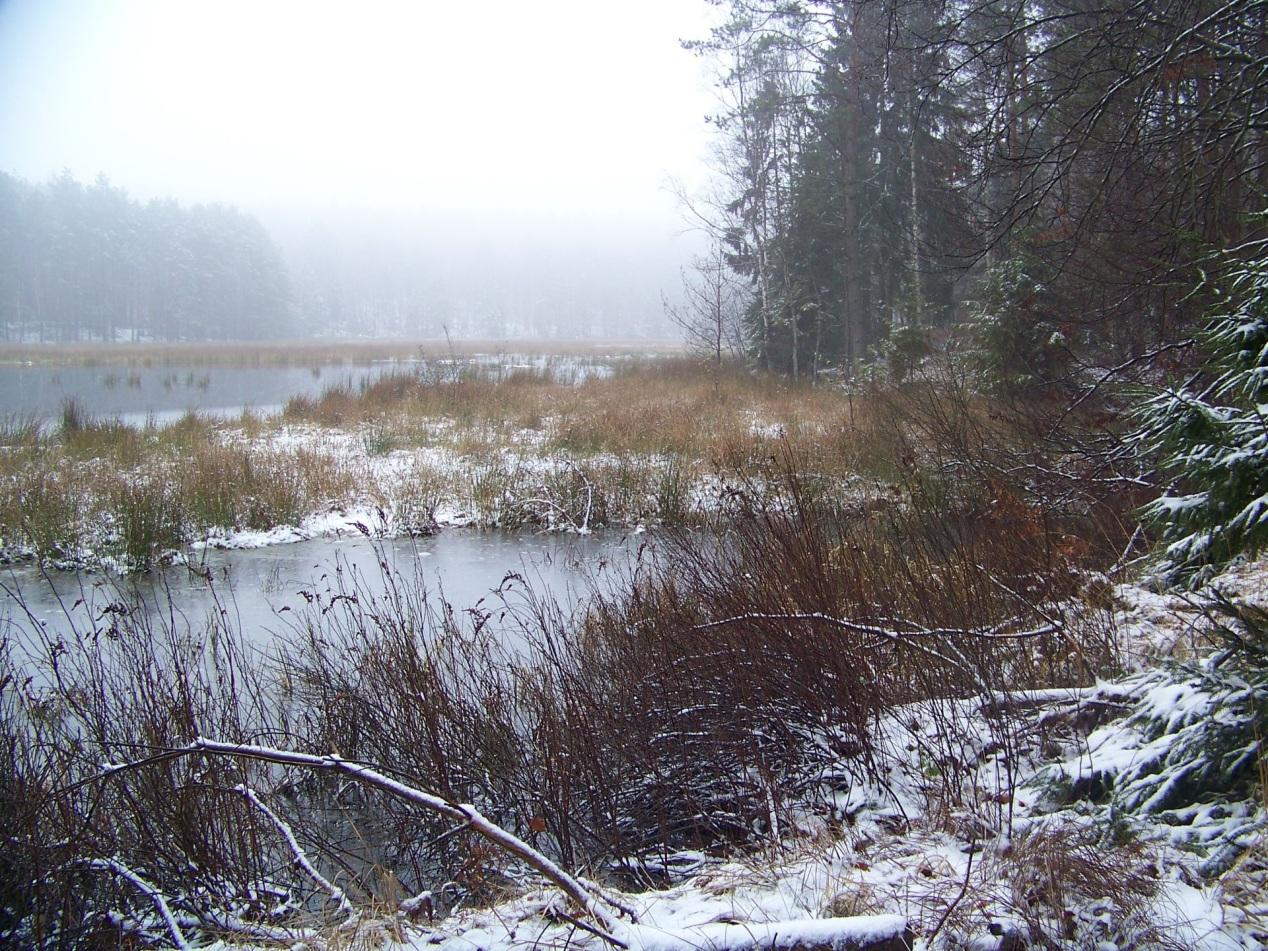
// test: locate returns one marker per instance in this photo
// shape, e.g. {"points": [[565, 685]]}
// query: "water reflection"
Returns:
{"points": [[137, 394], [259, 591]]}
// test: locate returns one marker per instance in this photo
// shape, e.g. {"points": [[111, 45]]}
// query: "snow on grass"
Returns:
{"points": [[1078, 833]]}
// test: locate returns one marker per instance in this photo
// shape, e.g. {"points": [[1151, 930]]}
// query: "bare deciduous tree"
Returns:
{"points": [[709, 312]]}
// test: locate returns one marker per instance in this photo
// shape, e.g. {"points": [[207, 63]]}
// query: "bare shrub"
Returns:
{"points": [[752, 670], [1062, 463], [386, 673], [85, 851]]}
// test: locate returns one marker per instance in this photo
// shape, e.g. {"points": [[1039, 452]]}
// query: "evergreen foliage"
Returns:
{"points": [[882, 160], [1014, 331], [1212, 435]]}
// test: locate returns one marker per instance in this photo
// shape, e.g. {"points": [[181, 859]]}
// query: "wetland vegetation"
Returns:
{"points": [[918, 604]]}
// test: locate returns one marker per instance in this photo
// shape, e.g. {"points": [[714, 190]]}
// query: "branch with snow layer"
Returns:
{"points": [[459, 812], [115, 867], [336, 893], [904, 632], [901, 628], [861, 933]]}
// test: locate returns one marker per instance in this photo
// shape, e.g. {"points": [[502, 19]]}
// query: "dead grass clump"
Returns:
{"points": [[229, 487], [147, 520], [414, 501], [653, 407], [107, 439], [112, 490], [637, 421], [42, 511], [20, 432], [1063, 886]]}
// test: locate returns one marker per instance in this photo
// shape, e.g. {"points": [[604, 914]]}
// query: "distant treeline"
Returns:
{"points": [[89, 263]]}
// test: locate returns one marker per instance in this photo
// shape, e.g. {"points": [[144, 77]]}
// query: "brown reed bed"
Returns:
{"points": [[656, 441], [703, 703]]}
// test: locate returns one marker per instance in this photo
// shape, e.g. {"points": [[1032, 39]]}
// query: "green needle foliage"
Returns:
{"points": [[1212, 436]]}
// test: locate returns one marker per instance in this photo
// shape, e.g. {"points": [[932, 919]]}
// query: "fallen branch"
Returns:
{"points": [[861, 933], [336, 893], [116, 867], [459, 812]]}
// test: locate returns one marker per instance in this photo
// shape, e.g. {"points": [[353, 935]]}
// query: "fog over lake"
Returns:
{"points": [[418, 172]]}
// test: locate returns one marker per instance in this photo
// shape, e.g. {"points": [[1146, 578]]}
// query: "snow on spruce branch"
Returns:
{"points": [[1211, 438]]}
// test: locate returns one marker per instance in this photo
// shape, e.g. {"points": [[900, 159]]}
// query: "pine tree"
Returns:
{"points": [[1212, 435]]}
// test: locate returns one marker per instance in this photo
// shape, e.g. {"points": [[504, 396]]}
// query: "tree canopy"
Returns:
{"points": [[1056, 168]]}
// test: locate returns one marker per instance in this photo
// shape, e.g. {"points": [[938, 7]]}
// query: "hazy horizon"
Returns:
{"points": [[415, 162], [555, 111]]}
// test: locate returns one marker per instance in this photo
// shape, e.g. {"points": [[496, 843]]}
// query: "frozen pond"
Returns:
{"points": [[135, 393], [264, 589]]}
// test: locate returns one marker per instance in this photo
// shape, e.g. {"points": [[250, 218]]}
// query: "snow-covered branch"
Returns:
{"points": [[860, 933], [115, 867], [900, 628], [904, 633], [459, 812], [336, 893]]}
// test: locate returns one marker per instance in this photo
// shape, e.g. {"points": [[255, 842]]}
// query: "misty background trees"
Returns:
{"points": [[1048, 174], [89, 263], [1051, 171], [418, 275]]}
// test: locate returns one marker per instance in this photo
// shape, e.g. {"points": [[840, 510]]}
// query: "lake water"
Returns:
{"points": [[137, 394], [265, 589]]}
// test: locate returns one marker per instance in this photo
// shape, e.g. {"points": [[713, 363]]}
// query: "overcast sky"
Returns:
{"points": [[556, 108]]}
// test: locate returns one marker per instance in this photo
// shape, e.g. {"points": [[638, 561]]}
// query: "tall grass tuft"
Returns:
{"points": [[41, 511], [148, 521], [20, 431], [74, 417]]}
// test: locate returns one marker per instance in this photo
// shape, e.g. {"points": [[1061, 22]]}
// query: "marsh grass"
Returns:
{"points": [[644, 408], [41, 511], [74, 417], [229, 487], [637, 445], [376, 440], [20, 431], [147, 521], [137, 494]]}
